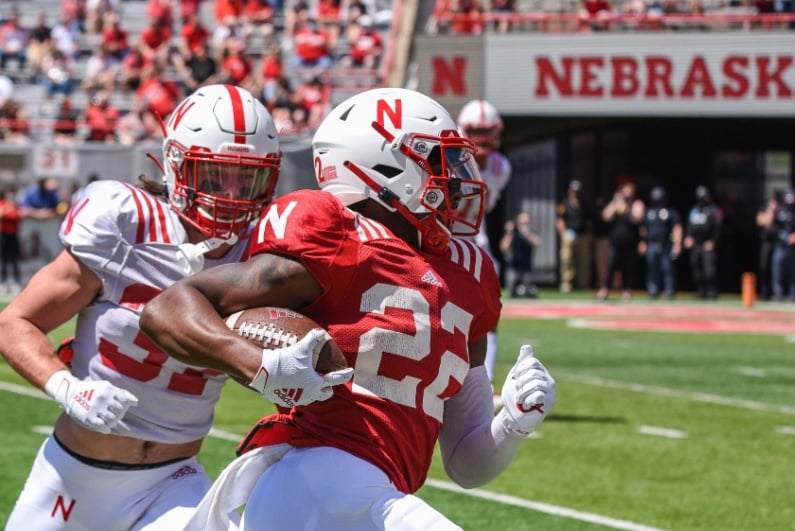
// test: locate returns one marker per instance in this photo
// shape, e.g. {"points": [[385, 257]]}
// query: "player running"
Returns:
{"points": [[371, 258], [122, 455]]}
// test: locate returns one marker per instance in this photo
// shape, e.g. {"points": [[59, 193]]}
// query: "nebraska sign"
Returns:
{"points": [[727, 74], [656, 74]]}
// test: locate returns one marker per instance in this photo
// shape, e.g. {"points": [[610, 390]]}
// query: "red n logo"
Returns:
{"points": [[181, 111], [60, 503], [450, 75], [395, 113]]}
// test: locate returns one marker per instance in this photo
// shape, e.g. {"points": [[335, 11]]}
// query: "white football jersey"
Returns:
{"points": [[130, 239], [495, 172]]}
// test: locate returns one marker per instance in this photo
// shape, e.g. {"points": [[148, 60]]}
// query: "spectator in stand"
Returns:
{"points": [[14, 125], [115, 39], [101, 118], [467, 17], [311, 47], [517, 246], [298, 13], [158, 93], [14, 40], [40, 43], [74, 15], [199, 69], [223, 9], [57, 75], [192, 35], [595, 15], [237, 68], [40, 200], [258, 19], [310, 97], [132, 68], [155, 41], [189, 8], [366, 45], [271, 70], [65, 35], [505, 9], [224, 35], [136, 125], [357, 8], [9, 240], [65, 125], [328, 17], [101, 71], [283, 106], [701, 237], [96, 11], [162, 11], [624, 213]]}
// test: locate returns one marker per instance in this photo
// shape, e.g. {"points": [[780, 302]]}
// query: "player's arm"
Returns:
{"points": [[57, 292], [186, 320], [476, 445]]}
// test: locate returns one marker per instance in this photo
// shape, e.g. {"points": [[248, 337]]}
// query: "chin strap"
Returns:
{"points": [[191, 255]]}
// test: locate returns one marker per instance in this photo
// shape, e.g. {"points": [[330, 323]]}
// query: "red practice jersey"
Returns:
{"points": [[402, 317]]}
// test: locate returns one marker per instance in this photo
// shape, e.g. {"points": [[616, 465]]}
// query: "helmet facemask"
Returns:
{"points": [[449, 163], [220, 193]]}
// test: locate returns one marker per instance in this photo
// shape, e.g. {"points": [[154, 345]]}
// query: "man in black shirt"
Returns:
{"points": [[701, 237], [661, 242], [573, 224]]}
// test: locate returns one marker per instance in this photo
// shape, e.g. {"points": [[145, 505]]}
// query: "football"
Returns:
{"points": [[272, 328]]}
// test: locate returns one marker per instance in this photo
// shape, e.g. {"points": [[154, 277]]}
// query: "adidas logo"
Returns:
{"points": [[431, 279], [289, 396], [84, 398]]}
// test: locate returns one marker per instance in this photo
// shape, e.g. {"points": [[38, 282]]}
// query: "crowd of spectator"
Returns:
{"points": [[281, 52], [461, 17]]}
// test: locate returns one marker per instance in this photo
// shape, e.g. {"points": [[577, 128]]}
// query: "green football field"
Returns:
{"points": [[678, 417]]}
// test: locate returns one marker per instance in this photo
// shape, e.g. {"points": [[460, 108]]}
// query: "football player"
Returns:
{"points": [[122, 454], [372, 258], [480, 121]]}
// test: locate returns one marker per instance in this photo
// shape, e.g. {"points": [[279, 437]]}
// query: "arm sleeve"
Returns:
{"points": [[476, 446]]}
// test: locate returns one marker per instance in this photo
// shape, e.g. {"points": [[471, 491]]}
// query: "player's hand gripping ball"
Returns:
{"points": [[275, 328]]}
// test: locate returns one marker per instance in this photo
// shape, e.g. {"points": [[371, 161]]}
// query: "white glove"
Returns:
{"points": [[288, 377], [96, 405], [528, 394]]}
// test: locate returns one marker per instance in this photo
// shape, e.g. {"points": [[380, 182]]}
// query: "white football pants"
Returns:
{"points": [[63, 493], [327, 489]]}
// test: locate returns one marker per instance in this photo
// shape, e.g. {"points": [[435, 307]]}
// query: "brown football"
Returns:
{"points": [[272, 328]]}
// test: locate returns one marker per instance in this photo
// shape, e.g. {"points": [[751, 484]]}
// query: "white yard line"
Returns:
{"points": [[662, 432], [786, 430], [540, 507], [752, 372], [675, 393]]}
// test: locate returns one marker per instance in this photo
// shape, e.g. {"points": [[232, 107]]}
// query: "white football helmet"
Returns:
{"points": [[402, 149], [222, 159], [480, 121]]}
